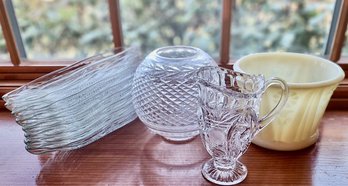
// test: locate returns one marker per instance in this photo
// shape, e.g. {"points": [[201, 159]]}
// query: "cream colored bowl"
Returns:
{"points": [[311, 81]]}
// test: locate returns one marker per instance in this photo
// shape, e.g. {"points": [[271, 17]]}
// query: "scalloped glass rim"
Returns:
{"points": [[229, 89]]}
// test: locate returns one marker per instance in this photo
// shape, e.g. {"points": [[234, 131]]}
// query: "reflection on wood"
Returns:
{"points": [[134, 156]]}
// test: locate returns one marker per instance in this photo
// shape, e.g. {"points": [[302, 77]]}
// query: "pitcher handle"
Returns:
{"points": [[269, 117]]}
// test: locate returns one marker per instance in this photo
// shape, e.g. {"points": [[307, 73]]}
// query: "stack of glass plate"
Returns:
{"points": [[76, 105]]}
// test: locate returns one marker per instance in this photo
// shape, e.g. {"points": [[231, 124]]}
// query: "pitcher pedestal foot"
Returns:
{"points": [[224, 176]]}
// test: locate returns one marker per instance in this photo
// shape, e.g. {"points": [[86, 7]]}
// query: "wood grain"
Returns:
{"points": [[21, 76], [134, 156], [116, 23], [226, 19]]}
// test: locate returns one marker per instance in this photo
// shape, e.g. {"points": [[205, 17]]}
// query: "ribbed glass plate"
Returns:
{"points": [[76, 105]]}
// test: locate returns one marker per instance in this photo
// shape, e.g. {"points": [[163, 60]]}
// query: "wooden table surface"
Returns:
{"points": [[134, 156]]}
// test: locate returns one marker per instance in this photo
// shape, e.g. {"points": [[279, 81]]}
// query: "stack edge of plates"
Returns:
{"points": [[76, 105]]}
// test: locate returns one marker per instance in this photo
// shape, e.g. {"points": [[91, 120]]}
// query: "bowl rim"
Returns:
{"points": [[335, 80], [157, 54]]}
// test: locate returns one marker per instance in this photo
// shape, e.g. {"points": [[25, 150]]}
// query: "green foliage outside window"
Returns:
{"points": [[78, 28], [155, 23], [293, 26], [64, 28], [3, 51], [345, 49]]}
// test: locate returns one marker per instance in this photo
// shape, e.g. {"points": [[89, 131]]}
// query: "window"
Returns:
{"points": [[151, 24], [345, 49], [292, 26], [65, 29], [44, 35], [4, 58]]}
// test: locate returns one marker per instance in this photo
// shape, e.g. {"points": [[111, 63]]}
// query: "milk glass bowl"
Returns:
{"points": [[164, 91], [311, 81]]}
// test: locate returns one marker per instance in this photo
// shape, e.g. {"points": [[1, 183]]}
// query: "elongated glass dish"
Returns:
{"points": [[76, 105]]}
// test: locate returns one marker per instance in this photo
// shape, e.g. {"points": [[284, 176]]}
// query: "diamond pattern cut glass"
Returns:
{"points": [[164, 91]]}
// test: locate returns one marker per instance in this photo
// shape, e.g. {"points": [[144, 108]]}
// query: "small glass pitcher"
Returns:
{"points": [[228, 114]]}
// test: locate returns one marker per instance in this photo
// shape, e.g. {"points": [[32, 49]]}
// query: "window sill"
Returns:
{"points": [[132, 155]]}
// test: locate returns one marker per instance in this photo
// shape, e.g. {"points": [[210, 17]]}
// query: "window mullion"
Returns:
{"points": [[225, 32], [11, 44], [337, 31], [15, 28], [116, 25]]}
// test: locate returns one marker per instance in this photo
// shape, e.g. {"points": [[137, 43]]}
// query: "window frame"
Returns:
{"points": [[22, 70]]}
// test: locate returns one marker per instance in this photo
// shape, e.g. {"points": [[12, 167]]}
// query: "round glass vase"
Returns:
{"points": [[164, 91]]}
